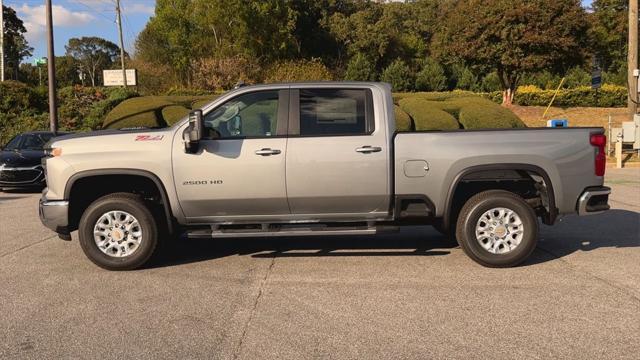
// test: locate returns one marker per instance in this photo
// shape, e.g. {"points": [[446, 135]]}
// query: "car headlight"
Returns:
{"points": [[52, 152]]}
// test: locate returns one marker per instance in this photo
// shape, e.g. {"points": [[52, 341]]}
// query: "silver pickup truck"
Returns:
{"points": [[316, 159]]}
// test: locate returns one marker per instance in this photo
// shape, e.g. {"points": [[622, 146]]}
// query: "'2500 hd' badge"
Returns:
{"points": [[202, 182], [149, 137]]}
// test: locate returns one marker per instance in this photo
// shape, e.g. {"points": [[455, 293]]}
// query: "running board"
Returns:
{"points": [[267, 230]]}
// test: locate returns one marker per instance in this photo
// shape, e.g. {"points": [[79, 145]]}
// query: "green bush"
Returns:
{"points": [[360, 69], [220, 73], [171, 114], [13, 124], [17, 98], [299, 70], [398, 75], [403, 120], [490, 83], [478, 113], [577, 77], [543, 80], [454, 110], [431, 77], [84, 108], [462, 78], [427, 115], [152, 111], [584, 96], [189, 92], [199, 104]]}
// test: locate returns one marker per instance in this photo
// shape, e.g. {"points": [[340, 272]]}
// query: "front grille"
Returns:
{"points": [[20, 176]]}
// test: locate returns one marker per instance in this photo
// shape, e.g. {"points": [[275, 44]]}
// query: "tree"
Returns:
{"points": [[384, 32], [398, 75], [360, 69], [609, 31], [513, 37], [186, 31], [463, 78], [431, 77], [93, 54], [66, 73], [16, 47]]}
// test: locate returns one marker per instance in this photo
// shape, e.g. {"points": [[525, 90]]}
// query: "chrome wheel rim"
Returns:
{"points": [[499, 230], [117, 233]]}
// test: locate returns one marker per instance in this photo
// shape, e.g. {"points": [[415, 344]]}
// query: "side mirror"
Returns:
{"points": [[193, 135]]}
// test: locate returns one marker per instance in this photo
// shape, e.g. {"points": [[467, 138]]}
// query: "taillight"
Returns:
{"points": [[599, 141]]}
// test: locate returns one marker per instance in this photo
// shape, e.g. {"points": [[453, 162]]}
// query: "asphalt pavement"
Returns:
{"points": [[404, 296]]}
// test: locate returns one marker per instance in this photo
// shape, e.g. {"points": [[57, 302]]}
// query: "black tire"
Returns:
{"points": [[470, 214], [134, 205]]}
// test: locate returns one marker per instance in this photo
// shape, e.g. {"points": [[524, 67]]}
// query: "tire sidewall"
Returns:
{"points": [[521, 252], [133, 207]]}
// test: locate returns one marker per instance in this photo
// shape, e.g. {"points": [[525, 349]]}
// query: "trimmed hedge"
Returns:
{"points": [[455, 110], [152, 111], [403, 120], [427, 116], [413, 111], [171, 114], [584, 96]]}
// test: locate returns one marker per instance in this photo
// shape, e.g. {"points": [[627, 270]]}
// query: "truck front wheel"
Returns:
{"points": [[118, 232], [497, 228]]}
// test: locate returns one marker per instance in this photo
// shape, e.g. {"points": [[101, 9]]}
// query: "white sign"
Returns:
{"points": [[114, 77]]}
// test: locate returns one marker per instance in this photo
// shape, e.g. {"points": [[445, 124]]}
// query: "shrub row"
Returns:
{"points": [[24, 108], [453, 110], [153, 111], [413, 111], [583, 96]]}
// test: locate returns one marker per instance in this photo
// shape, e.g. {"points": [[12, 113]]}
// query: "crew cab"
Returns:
{"points": [[322, 158]]}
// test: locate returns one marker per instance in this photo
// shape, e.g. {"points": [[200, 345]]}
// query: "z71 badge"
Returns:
{"points": [[149, 137]]}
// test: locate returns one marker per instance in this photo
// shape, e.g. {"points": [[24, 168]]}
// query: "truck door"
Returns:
{"points": [[240, 169], [337, 156]]}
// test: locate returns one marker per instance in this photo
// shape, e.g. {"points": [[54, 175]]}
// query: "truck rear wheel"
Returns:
{"points": [[118, 232], [497, 228]]}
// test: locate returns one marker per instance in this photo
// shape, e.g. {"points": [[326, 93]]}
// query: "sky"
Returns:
{"points": [[76, 18]]}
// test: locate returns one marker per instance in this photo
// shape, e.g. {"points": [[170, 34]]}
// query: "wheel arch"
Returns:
{"points": [[529, 168], [103, 173]]}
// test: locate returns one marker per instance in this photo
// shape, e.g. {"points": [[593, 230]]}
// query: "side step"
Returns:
{"points": [[272, 230]]}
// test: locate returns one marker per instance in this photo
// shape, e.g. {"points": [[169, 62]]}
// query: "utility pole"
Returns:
{"points": [[633, 58], [124, 70], [1, 41], [51, 67]]}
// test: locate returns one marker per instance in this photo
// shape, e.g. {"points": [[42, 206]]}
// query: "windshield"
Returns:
{"points": [[28, 142]]}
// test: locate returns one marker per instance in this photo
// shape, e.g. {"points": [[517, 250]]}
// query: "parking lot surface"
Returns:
{"points": [[406, 295]]}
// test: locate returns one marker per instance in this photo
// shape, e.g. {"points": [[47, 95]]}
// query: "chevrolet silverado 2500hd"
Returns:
{"points": [[316, 159]]}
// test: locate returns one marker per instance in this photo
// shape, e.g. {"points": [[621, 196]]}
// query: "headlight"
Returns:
{"points": [[52, 152]]}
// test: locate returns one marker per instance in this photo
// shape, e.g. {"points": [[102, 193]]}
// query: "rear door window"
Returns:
{"points": [[327, 112]]}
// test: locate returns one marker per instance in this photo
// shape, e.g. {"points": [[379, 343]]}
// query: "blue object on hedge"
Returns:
{"points": [[558, 123]]}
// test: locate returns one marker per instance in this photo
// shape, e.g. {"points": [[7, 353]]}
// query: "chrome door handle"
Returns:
{"points": [[368, 149], [267, 152]]}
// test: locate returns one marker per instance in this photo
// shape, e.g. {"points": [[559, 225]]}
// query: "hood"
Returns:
{"points": [[106, 132], [21, 158], [123, 142]]}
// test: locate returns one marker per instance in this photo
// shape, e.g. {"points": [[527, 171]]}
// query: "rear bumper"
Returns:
{"points": [[55, 215], [593, 200]]}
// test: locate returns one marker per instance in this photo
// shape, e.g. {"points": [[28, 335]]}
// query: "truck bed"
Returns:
{"points": [[563, 155]]}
